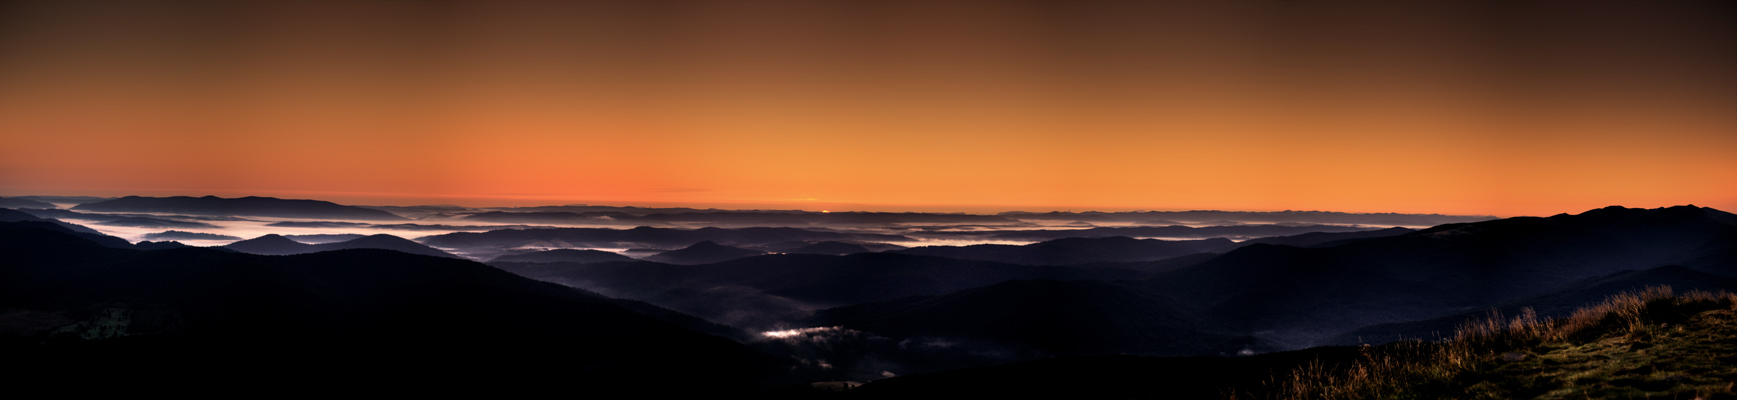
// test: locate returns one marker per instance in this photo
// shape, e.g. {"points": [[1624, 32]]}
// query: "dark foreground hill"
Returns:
{"points": [[1646, 344], [1046, 318], [1557, 303], [366, 321], [245, 206]]}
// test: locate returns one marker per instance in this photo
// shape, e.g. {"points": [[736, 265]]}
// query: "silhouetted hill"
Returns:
{"points": [[1106, 377], [324, 238], [706, 252], [1557, 303], [277, 245], [1046, 318], [763, 291], [479, 243], [1178, 231], [563, 255], [147, 222], [547, 217], [316, 224], [64, 199], [1074, 250], [10, 219], [1299, 295], [14, 202], [164, 245], [829, 248], [1296, 217], [179, 235], [364, 319], [245, 206], [1318, 239], [733, 218]]}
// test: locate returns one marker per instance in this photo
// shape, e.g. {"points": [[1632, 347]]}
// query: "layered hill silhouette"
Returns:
{"points": [[732, 218], [277, 245], [706, 252], [641, 237], [564, 255], [1174, 231], [21, 220], [1557, 303], [14, 202], [1294, 217], [1295, 297], [1075, 250], [764, 291], [180, 235], [80, 311], [244, 206]]}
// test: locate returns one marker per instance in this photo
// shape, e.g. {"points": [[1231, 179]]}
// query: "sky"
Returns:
{"points": [[1488, 108]]}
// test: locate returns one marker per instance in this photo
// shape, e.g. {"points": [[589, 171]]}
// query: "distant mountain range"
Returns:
{"points": [[15, 202], [1176, 231], [564, 255], [245, 206], [1303, 217], [492, 243], [277, 245], [179, 235], [1075, 250]]}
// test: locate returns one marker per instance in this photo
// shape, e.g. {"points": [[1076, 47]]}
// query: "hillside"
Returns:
{"points": [[1647, 344], [77, 311]]}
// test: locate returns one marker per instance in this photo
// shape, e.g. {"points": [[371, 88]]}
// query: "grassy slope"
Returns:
{"points": [[1638, 345]]}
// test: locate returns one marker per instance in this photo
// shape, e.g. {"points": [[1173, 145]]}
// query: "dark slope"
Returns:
{"points": [[148, 222], [735, 218], [641, 237], [65, 199], [1106, 377], [763, 291], [1294, 217], [324, 238], [14, 202], [1557, 303], [830, 248], [245, 206], [563, 255], [1045, 318], [179, 235], [706, 252], [1176, 231], [1074, 250], [1303, 294], [277, 245], [12, 219], [1318, 239], [331, 320]]}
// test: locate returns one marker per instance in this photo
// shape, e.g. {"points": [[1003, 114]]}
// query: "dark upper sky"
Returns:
{"points": [[1502, 108]]}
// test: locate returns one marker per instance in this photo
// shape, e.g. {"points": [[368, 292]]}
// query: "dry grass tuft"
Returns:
{"points": [[1417, 368]]}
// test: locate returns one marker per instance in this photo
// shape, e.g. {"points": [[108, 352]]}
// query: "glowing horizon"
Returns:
{"points": [[1432, 108]]}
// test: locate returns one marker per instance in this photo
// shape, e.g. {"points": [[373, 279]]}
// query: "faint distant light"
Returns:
{"points": [[824, 211], [797, 332]]}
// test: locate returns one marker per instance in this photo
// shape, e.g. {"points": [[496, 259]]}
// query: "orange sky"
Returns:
{"points": [[1433, 107]]}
